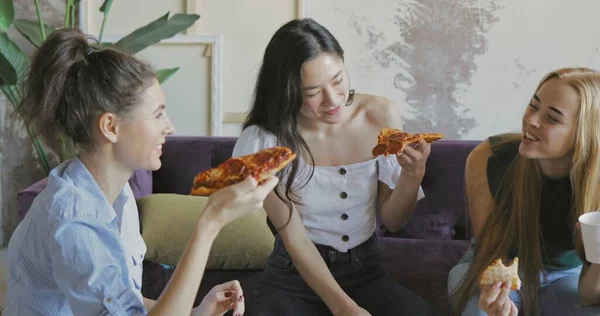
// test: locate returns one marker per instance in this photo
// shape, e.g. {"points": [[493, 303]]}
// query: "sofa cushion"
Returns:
{"points": [[185, 156], [441, 214], [141, 183], [168, 221], [25, 198], [423, 265]]}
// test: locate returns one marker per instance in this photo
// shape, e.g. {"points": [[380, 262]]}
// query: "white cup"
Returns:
{"points": [[590, 231]]}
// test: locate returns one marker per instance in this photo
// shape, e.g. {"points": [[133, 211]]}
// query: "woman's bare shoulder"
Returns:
{"points": [[480, 200], [476, 164], [380, 111], [482, 151]]}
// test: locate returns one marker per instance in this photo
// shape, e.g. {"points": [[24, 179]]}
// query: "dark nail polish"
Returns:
{"points": [[241, 298]]}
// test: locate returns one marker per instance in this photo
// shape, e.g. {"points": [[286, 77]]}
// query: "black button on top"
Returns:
{"points": [[342, 171], [344, 217], [345, 238], [343, 195]]}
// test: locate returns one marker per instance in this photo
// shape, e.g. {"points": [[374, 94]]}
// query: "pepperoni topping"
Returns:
{"points": [[395, 148], [398, 136], [234, 166], [271, 156], [379, 150], [262, 157]]}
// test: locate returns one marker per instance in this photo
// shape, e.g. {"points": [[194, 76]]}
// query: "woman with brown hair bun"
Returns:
{"points": [[79, 251]]}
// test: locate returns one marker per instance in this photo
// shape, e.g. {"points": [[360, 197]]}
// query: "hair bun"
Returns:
{"points": [[57, 104], [88, 50]]}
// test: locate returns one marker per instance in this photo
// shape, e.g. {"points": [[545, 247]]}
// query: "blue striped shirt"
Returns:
{"points": [[74, 253]]}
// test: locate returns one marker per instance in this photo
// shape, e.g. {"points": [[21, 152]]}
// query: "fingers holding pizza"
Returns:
{"points": [[411, 150], [239, 185], [413, 159], [496, 283], [240, 199]]}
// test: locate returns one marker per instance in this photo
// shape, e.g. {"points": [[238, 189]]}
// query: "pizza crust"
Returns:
{"points": [[497, 271], [203, 191]]}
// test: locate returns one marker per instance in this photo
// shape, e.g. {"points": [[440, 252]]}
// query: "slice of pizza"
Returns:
{"points": [[392, 141], [497, 271], [260, 165]]}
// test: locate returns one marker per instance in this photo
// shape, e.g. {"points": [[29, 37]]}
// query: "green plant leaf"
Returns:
{"points": [[105, 6], [8, 92], [40, 18], [164, 74], [11, 93], [7, 14], [156, 31], [31, 30], [13, 61]]}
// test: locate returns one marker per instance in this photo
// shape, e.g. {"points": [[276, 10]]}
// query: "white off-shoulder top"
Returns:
{"points": [[339, 202]]}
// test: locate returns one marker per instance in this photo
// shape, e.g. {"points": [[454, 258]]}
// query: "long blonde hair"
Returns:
{"points": [[514, 206]]}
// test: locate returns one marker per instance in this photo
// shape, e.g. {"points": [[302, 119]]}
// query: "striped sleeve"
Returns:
{"points": [[85, 257]]}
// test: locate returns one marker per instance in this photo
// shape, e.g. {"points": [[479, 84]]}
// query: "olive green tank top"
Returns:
{"points": [[557, 243]]}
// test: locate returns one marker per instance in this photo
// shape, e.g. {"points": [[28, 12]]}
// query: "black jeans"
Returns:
{"points": [[360, 273]]}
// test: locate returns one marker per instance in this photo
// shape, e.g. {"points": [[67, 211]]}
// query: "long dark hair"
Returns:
{"points": [[71, 82], [278, 90]]}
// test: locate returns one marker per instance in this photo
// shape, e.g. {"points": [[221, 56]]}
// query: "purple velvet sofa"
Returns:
{"points": [[419, 256]]}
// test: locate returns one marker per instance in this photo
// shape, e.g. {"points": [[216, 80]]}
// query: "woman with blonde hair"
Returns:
{"points": [[525, 193]]}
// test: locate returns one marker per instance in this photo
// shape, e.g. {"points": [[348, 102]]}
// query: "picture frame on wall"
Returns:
{"points": [[189, 107]]}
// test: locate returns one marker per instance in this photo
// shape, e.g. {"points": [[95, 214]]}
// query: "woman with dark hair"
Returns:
{"points": [[79, 251], [326, 259]]}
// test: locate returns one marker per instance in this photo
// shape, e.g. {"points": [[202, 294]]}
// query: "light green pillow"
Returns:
{"points": [[168, 222]]}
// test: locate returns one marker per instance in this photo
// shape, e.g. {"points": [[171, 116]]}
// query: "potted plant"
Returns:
{"points": [[14, 62]]}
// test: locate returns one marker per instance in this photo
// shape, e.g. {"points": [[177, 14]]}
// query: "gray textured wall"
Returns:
{"points": [[464, 68], [18, 160]]}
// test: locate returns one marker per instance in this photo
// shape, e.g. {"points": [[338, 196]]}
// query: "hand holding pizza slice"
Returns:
{"points": [[260, 165], [392, 141]]}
